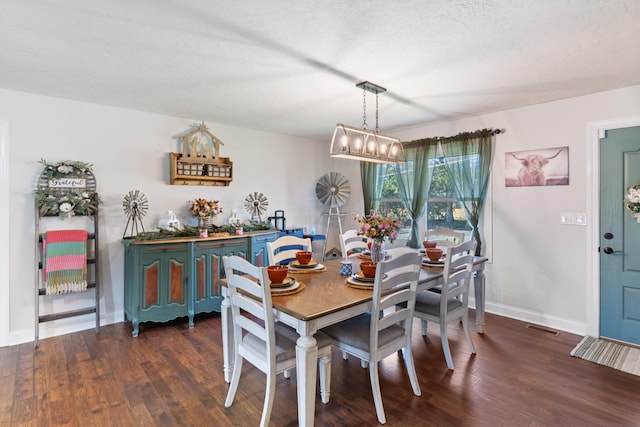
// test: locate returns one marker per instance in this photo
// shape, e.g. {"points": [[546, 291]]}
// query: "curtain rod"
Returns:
{"points": [[459, 137]]}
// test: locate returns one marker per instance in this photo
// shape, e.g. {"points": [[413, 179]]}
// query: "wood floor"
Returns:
{"points": [[172, 376]]}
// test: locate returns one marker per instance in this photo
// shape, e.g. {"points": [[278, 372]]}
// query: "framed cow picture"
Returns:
{"points": [[548, 166]]}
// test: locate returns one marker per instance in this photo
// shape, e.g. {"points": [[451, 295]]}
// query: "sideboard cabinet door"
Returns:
{"points": [[209, 269], [156, 283]]}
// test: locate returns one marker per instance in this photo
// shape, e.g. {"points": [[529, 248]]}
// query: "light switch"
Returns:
{"points": [[573, 218]]}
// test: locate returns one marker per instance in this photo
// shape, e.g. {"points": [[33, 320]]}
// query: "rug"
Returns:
{"points": [[607, 353]]}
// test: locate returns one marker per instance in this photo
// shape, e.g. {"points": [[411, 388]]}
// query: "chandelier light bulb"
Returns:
{"points": [[344, 140], [358, 143], [372, 146], [383, 149]]}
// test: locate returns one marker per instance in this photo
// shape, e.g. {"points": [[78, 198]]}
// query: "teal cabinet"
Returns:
{"points": [[259, 248], [168, 279]]}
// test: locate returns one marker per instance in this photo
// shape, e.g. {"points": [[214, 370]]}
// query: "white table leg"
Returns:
{"points": [[227, 336], [479, 286], [306, 359]]}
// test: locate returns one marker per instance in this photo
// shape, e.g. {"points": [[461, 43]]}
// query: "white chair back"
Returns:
{"points": [[444, 236], [283, 250], [253, 300], [350, 242]]}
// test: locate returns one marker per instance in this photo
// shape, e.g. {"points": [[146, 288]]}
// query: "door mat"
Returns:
{"points": [[607, 353]]}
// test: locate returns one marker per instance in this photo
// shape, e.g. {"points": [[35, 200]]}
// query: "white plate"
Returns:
{"points": [[315, 267], [295, 285]]}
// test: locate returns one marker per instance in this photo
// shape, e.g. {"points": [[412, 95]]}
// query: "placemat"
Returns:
{"points": [[352, 283]]}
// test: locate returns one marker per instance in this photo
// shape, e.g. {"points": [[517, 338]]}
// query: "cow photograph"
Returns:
{"points": [[549, 166]]}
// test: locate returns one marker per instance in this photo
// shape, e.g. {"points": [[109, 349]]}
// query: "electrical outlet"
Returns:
{"points": [[573, 218]]}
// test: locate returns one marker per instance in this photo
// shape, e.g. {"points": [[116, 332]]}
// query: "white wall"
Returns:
{"points": [[129, 150], [540, 270]]}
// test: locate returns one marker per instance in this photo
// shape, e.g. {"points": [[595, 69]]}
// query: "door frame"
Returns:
{"points": [[595, 131], [5, 283]]}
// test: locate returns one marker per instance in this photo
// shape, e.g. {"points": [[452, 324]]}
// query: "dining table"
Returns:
{"points": [[326, 298]]}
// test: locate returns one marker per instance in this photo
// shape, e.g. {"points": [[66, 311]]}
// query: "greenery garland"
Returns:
{"points": [[68, 203], [188, 231], [65, 169]]}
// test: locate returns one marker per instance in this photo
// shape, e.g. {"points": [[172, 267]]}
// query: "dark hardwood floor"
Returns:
{"points": [[172, 375]]}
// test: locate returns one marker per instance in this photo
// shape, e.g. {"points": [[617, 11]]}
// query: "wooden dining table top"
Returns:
{"points": [[327, 291]]}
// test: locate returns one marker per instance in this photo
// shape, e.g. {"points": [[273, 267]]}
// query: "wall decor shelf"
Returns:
{"points": [[200, 171], [200, 162]]}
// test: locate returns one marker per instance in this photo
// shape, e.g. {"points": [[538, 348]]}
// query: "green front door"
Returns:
{"points": [[619, 237]]}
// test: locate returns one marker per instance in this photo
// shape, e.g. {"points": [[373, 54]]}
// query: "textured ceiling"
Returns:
{"points": [[291, 66]]}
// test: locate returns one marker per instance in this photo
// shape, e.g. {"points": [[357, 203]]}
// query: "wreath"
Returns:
{"points": [[65, 204]]}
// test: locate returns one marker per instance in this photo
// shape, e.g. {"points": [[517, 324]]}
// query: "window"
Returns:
{"points": [[390, 198], [443, 210]]}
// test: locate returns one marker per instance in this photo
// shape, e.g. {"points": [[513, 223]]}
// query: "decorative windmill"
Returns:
{"points": [[256, 204], [135, 207], [333, 190]]}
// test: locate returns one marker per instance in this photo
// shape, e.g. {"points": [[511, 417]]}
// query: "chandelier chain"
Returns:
{"points": [[377, 128], [364, 109]]}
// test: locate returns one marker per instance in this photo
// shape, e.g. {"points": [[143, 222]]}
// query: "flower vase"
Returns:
{"points": [[203, 227], [377, 250]]}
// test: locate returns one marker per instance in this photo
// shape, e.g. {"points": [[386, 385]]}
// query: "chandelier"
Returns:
{"points": [[365, 145]]}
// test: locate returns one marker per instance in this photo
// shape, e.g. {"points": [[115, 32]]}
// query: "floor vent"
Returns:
{"points": [[543, 329]]}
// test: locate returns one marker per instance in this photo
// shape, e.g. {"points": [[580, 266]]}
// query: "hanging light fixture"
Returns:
{"points": [[365, 145]]}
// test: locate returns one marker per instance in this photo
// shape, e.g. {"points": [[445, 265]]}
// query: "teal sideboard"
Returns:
{"points": [[167, 279]]}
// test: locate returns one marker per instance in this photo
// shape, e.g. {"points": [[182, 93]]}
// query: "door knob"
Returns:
{"points": [[608, 250]]}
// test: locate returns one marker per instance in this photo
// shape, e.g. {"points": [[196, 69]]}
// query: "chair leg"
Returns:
{"points": [[411, 370], [375, 389], [445, 344], [345, 355], [465, 326], [423, 324], [287, 374], [269, 395], [324, 368], [235, 379], [364, 364]]}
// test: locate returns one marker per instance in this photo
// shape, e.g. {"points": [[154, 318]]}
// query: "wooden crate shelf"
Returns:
{"points": [[200, 171]]}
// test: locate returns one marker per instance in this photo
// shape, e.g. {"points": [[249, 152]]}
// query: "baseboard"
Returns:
{"points": [[64, 326], [542, 319]]}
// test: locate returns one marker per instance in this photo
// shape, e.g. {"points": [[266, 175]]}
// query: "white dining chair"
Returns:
{"points": [[283, 250], [444, 236], [387, 328], [351, 243], [269, 346], [452, 300]]}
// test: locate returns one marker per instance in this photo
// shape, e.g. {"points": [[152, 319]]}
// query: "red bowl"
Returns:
{"points": [[277, 273], [429, 244], [304, 257], [434, 254], [368, 268]]}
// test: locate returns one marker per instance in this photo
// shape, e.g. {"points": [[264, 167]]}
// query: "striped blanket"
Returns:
{"points": [[65, 261]]}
